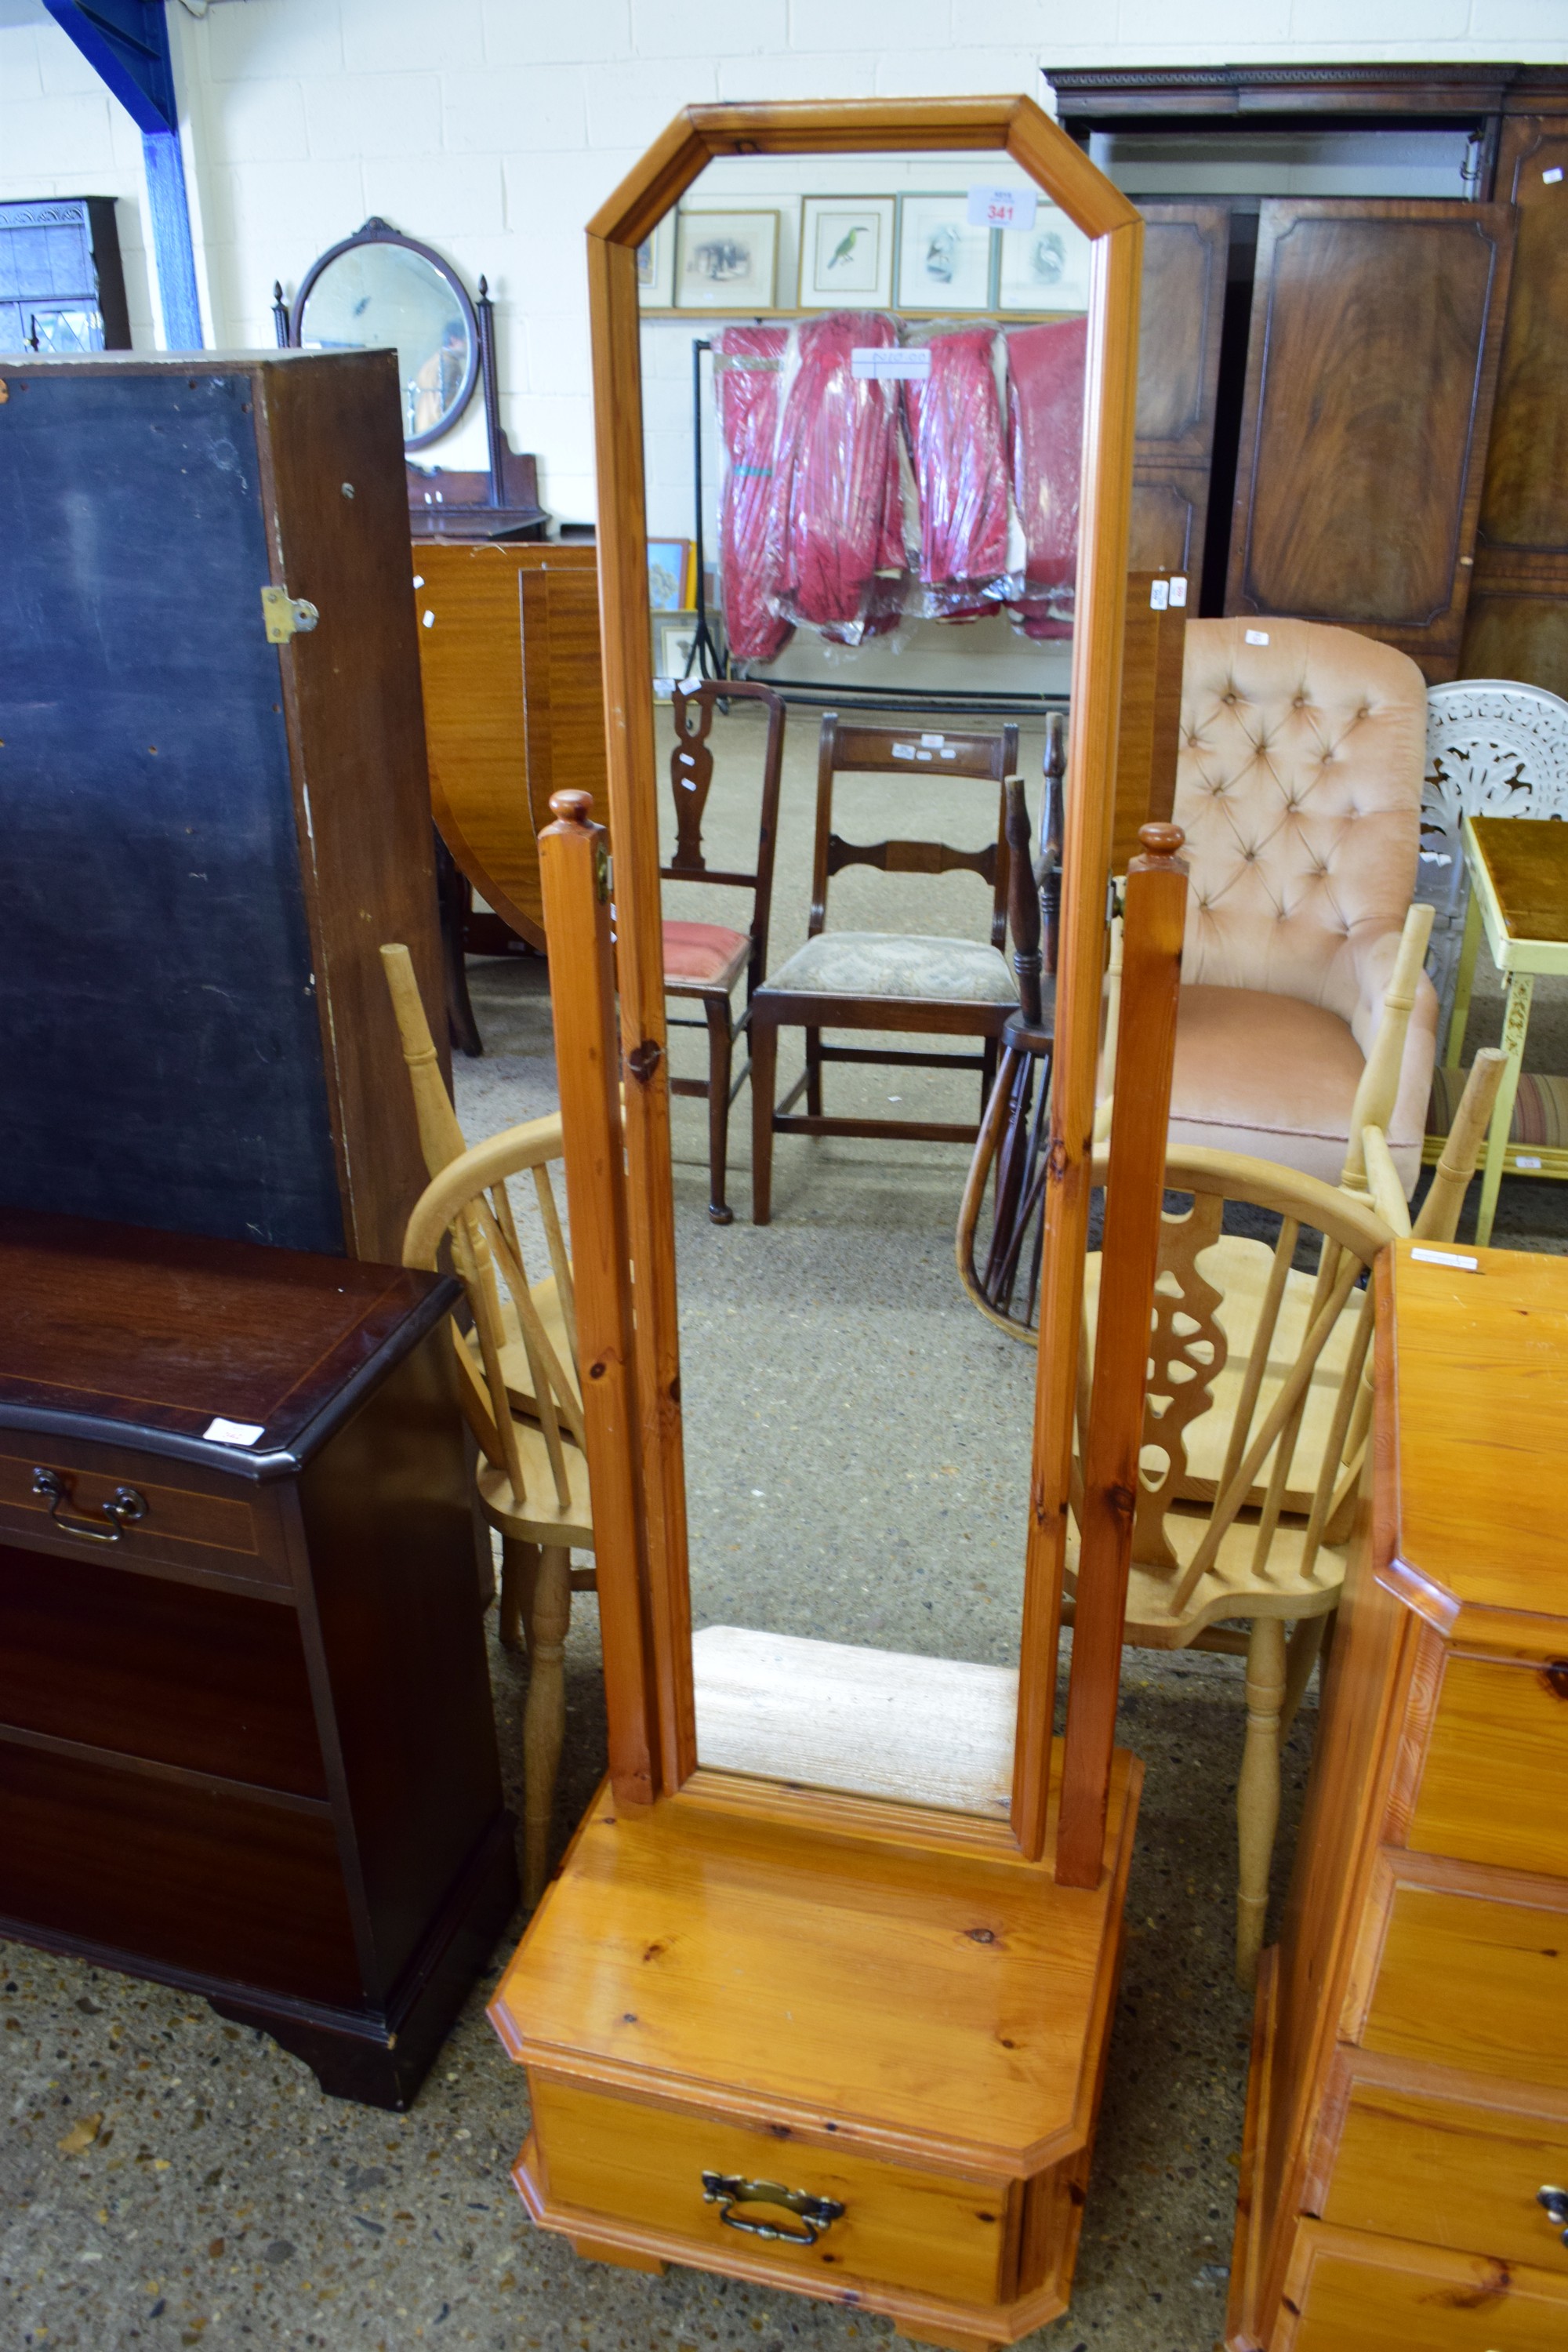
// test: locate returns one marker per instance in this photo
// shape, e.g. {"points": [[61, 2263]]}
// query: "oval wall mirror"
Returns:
{"points": [[378, 288]]}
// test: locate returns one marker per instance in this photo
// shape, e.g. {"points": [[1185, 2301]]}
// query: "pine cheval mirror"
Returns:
{"points": [[820, 1996]]}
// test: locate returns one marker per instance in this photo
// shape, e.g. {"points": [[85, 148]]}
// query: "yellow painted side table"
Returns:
{"points": [[1519, 897]]}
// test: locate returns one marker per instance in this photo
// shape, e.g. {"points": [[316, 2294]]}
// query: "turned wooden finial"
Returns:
{"points": [[1162, 845], [571, 808]]}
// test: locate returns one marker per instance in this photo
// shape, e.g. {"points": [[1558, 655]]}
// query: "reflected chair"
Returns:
{"points": [[704, 961], [1299, 787], [533, 1475], [884, 981]]}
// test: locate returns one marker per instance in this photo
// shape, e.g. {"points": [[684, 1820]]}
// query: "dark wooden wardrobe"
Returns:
{"points": [[1352, 409]]}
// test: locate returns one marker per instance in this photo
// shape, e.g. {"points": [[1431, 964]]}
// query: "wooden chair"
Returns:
{"points": [[533, 1473], [442, 1140], [704, 960], [1255, 1427], [875, 979]]}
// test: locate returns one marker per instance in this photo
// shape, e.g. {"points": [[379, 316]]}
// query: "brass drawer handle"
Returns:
{"points": [[123, 1508], [1555, 2201], [729, 2188]]}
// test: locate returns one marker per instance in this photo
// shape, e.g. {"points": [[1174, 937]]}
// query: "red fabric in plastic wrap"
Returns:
{"points": [[835, 522], [748, 404], [1044, 420], [954, 421]]}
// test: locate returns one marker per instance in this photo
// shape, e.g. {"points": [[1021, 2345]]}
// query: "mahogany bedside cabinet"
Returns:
{"points": [[246, 1737], [1406, 2176]]}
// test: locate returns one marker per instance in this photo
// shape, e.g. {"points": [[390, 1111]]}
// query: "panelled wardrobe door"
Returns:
{"points": [[1518, 621], [1180, 317], [1376, 332]]}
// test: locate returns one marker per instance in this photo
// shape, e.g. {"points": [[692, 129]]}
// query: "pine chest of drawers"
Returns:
{"points": [[245, 1738], [1405, 2177]]}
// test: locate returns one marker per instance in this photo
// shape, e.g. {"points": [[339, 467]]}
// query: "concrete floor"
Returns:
{"points": [[856, 1443]]}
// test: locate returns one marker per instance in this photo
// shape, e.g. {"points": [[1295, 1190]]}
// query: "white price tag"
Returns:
{"points": [[933, 742], [1002, 207], [1159, 596], [903, 750], [1258, 637], [1550, 179], [1519, 1160], [1447, 1257], [1179, 589], [891, 365], [234, 1432]]}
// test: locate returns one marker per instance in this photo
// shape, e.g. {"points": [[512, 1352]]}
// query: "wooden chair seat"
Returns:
{"points": [[709, 955], [1229, 1589], [889, 963], [538, 1516]]}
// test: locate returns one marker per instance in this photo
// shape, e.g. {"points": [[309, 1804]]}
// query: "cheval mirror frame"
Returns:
{"points": [[647, 1631]]}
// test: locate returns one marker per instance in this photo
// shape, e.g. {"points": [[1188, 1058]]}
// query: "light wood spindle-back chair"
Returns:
{"points": [[533, 1473]]}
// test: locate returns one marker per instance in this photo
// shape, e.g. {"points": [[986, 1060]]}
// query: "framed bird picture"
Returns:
{"points": [[944, 261], [847, 253]]}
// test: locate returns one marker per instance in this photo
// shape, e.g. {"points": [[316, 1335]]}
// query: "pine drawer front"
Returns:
{"points": [[1497, 1767], [1377, 2294], [181, 1524], [1440, 2172], [643, 2165], [1466, 1980]]}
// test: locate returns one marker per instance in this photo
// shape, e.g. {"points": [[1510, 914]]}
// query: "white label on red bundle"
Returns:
{"points": [[1179, 589], [1002, 207], [903, 750], [1258, 637], [234, 1432], [886, 362], [1159, 596]]}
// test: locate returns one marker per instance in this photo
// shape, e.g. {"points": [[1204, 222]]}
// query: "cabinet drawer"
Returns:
{"points": [[189, 1521], [1378, 2295], [645, 2164], [1463, 2177], [1497, 1768], [1468, 1980]]}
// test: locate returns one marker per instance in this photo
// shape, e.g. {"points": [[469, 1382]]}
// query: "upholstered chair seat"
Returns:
{"points": [[709, 952], [884, 964], [1298, 788]]}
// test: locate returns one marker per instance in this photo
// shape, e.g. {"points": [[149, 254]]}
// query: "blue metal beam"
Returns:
{"points": [[126, 42]]}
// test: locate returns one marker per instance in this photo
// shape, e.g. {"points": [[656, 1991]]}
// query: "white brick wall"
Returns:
{"points": [[493, 127]]}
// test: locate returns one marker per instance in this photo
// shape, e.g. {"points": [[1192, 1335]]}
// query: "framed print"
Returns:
{"points": [[1044, 268], [847, 253], [943, 264], [670, 562], [673, 639], [726, 261], [655, 267]]}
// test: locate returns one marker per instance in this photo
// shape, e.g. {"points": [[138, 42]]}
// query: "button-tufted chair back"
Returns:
{"points": [[1298, 788]]}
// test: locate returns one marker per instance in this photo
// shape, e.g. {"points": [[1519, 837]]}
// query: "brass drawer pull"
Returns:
{"points": [[123, 1508], [1555, 2201], [729, 2188]]}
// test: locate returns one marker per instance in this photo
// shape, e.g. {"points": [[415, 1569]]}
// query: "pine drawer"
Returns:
{"points": [[1497, 1766], [1348, 2294], [1473, 1982], [1412, 2165], [622, 2162]]}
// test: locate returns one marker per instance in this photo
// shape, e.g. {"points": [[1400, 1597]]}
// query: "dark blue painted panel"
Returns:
{"points": [[160, 1049]]}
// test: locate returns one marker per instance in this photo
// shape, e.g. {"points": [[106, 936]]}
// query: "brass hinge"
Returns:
{"points": [[286, 617]]}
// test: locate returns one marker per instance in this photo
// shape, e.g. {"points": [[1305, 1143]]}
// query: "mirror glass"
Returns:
{"points": [[377, 294], [869, 408]]}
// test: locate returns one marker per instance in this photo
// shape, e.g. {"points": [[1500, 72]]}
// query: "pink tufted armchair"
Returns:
{"points": [[1298, 788]]}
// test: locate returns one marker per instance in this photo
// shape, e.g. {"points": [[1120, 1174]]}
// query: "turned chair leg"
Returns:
{"points": [[1300, 1657], [764, 1075], [720, 1051], [1257, 1791], [545, 1713], [519, 1570]]}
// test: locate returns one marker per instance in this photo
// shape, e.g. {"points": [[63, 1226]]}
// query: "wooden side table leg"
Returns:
{"points": [[1515, 1022], [1464, 982], [764, 1076]]}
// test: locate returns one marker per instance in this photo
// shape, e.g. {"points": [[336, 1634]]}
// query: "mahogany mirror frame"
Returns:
{"points": [[1018, 129]]}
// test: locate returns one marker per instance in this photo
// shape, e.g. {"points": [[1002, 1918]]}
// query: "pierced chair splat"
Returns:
{"points": [[890, 982], [705, 961]]}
